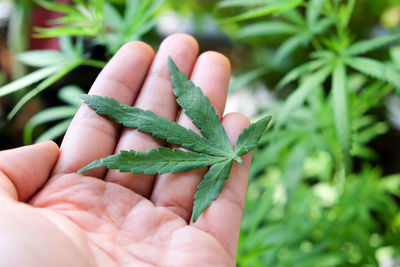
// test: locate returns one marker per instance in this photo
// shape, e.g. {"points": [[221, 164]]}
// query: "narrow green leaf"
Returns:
{"points": [[240, 3], [149, 11], [154, 161], [280, 6], [249, 137], [375, 69], [113, 17], [395, 55], [67, 30], [69, 94], [47, 115], [294, 16], [341, 111], [54, 132], [41, 58], [66, 45], [210, 187], [246, 78], [54, 6], [27, 80], [289, 46], [267, 28], [148, 122], [198, 107], [300, 71], [294, 167], [131, 8], [365, 46], [321, 26], [42, 86], [314, 10], [309, 84], [271, 153]]}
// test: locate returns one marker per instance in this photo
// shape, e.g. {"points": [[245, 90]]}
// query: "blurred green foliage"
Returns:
{"points": [[318, 194]]}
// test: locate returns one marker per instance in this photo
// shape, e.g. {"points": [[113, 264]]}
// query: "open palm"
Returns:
{"points": [[52, 216]]}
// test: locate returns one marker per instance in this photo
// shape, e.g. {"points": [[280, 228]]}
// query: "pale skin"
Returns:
{"points": [[52, 216]]}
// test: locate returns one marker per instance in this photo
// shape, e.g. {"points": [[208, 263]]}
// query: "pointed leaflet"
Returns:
{"points": [[375, 69], [248, 139], [198, 107], [300, 71], [210, 187], [148, 122], [365, 46], [295, 99], [154, 161], [267, 28], [314, 11], [341, 111]]}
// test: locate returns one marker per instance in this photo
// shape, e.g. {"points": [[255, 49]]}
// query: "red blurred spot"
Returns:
{"points": [[40, 17]]}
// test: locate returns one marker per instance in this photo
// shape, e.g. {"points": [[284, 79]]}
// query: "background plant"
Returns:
{"points": [[324, 187]]}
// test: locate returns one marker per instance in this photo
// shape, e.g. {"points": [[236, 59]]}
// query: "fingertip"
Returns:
{"points": [[183, 40], [51, 146], [217, 58], [234, 124], [212, 74], [138, 47]]}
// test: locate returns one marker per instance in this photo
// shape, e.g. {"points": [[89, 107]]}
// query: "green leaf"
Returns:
{"points": [[250, 136], [273, 151], [54, 132], [148, 122], [294, 16], [294, 167], [41, 58], [212, 148], [209, 188], [300, 71], [289, 46], [113, 17], [47, 115], [246, 78], [240, 3], [54, 6], [27, 80], [395, 55], [197, 107], [309, 84], [267, 28], [154, 161], [66, 45], [69, 94], [365, 46], [376, 69], [314, 10], [42, 86], [66, 30], [271, 8], [340, 105]]}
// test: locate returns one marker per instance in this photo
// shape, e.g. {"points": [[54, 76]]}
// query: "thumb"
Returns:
{"points": [[25, 169]]}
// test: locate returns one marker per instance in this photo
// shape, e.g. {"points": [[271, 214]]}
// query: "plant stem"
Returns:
{"points": [[94, 63]]}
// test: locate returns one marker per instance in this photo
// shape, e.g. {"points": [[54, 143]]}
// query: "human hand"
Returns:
{"points": [[52, 216]]}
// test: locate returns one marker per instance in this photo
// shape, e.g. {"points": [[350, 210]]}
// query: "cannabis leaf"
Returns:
{"points": [[210, 148]]}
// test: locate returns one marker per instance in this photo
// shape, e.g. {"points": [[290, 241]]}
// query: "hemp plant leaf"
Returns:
{"points": [[211, 148]]}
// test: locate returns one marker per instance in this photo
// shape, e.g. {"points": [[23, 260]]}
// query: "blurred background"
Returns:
{"points": [[324, 186]]}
